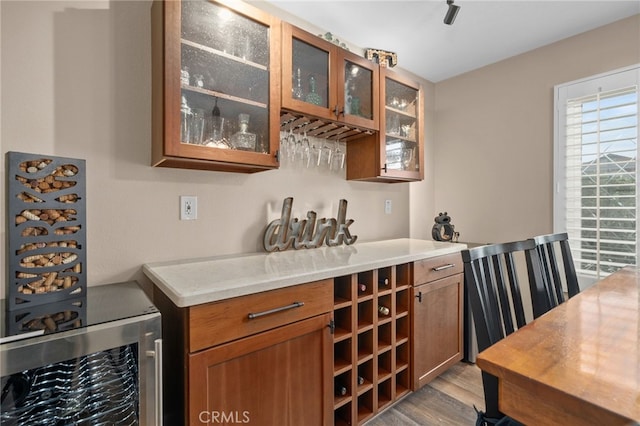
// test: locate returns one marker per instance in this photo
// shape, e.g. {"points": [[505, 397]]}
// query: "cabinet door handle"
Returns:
{"points": [[274, 310], [443, 267], [419, 296], [338, 112]]}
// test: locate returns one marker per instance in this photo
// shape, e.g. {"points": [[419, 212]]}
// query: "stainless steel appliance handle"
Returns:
{"points": [[158, 375]]}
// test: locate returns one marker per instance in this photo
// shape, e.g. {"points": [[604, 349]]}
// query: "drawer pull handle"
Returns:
{"points": [[274, 310], [443, 267]]}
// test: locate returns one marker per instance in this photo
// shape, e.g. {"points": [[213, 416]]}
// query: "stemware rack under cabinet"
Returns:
{"points": [[371, 342]]}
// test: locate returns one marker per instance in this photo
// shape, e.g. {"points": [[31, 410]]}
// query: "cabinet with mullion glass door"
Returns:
{"points": [[324, 81], [216, 86], [396, 152], [401, 142]]}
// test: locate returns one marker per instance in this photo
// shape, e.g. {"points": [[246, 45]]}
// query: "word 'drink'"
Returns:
{"points": [[285, 232]]}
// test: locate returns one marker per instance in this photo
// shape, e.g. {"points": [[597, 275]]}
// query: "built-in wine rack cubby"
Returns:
{"points": [[371, 342]]}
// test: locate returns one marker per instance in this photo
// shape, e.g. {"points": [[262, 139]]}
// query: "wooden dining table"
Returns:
{"points": [[578, 364]]}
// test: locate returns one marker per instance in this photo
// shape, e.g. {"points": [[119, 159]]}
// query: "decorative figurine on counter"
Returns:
{"points": [[443, 230]]}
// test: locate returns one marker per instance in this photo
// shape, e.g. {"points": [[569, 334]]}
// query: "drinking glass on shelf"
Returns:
{"points": [[184, 76], [197, 126], [393, 124], [407, 156], [198, 81], [186, 118]]}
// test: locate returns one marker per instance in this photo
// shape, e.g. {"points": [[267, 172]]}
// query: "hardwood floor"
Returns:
{"points": [[447, 400]]}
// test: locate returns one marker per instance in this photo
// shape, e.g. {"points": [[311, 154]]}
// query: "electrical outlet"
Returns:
{"points": [[387, 206], [188, 207]]}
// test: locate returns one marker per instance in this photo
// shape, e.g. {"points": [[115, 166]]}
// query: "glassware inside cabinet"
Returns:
{"points": [[310, 74], [226, 59], [358, 91], [401, 117]]}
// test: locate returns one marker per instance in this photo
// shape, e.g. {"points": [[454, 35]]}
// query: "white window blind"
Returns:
{"points": [[596, 200]]}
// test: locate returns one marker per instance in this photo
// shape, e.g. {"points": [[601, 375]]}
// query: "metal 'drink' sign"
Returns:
{"points": [[287, 232]]}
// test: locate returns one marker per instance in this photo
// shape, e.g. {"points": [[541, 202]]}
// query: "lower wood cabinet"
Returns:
{"points": [[437, 317], [263, 359], [278, 377], [331, 352]]}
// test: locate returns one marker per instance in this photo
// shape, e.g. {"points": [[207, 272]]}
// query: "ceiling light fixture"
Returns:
{"points": [[451, 13]]}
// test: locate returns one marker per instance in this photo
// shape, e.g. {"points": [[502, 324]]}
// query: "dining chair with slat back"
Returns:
{"points": [[493, 283], [554, 280]]}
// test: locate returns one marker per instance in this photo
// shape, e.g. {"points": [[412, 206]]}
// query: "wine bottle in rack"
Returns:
{"points": [[383, 281], [360, 380], [383, 310], [341, 390], [362, 287]]}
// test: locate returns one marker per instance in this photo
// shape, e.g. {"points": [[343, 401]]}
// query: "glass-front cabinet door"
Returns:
{"points": [[395, 153], [401, 133], [307, 74], [220, 87], [358, 90], [327, 81]]}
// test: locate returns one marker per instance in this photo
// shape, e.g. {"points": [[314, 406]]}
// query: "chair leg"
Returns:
{"points": [[490, 384]]}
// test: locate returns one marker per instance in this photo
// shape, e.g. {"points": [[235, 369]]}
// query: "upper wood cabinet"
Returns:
{"points": [[216, 86], [396, 152], [325, 81]]}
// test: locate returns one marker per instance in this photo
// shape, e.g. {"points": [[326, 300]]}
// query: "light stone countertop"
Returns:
{"points": [[194, 281]]}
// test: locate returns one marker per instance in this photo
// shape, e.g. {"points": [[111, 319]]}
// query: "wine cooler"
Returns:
{"points": [[103, 366]]}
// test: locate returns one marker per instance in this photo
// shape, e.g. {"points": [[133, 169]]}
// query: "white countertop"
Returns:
{"points": [[194, 281]]}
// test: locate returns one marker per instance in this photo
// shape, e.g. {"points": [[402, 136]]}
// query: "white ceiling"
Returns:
{"points": [[484, 32]]}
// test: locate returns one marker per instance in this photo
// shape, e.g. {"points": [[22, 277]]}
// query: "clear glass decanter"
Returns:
{"points": [[243, 139]]}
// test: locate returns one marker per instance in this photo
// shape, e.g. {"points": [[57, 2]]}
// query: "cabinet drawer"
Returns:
{"points": [[219, 322], [436, 267]]}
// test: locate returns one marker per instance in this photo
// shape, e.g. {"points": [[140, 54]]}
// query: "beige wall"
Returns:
{"points": [[494, 133], [75, 83], [74, 79]]}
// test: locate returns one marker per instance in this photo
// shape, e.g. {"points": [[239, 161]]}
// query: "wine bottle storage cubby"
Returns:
{"points": [[365, 346], [385, 393], [402, 301], [385, 337], [403, 275], [384, 365], [342, 358], [343, 323], [342, 292], [371, 341], [403, 383], [402, 329], [342, 389], [365, 315], [384, 280], [343, 415], [402, 356], [366, 408], [365, 378]]}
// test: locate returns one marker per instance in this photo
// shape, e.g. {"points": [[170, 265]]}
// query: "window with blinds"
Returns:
{"points": [[596, 178]]}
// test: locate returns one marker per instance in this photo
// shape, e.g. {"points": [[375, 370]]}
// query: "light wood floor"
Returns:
{"points": [[447, 400]]}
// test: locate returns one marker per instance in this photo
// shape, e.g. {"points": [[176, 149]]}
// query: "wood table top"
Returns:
{"points": [[582, 356]]}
